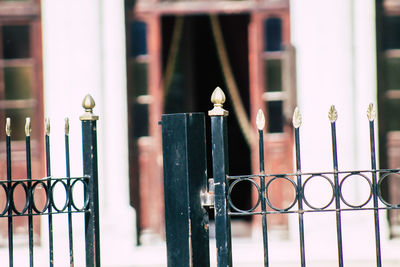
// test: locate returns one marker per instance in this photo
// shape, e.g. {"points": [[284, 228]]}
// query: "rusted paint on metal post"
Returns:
{"points": [[89, 149], [219, 140]]}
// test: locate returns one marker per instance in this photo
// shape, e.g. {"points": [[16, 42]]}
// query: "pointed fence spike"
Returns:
{"points": [[8, 126], [297, 119], [28, 128], [332, 114], [371, 112], [66, 126], [47, 126], [260, 120]]}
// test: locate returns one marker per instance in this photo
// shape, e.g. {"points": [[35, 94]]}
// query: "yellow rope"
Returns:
{"points": [[240, 113], [173, 54]]}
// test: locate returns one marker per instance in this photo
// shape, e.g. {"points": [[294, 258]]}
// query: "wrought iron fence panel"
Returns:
{"points": [[335, 180], [31, 187], [180, 147]]}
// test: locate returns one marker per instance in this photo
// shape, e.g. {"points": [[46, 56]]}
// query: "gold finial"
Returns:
{"points": [[88, 104], [218, 99], [47, 126], [260, 120], [8, 126], [66, 126], [371, 112], [332, 115], [28, 128], [297, 120]]}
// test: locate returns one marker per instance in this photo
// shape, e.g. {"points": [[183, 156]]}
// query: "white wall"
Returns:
{"points": [[336, 65], [84, 52]]}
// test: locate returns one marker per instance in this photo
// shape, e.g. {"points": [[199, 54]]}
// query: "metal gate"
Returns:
{"points": [[71, 205], [189, 193]]}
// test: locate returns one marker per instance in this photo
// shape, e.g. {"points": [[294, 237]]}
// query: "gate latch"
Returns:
{"points": [[207, 197]]}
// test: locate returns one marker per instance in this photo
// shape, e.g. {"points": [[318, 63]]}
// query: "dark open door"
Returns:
{"points": [[153, 89], [198, 72]]}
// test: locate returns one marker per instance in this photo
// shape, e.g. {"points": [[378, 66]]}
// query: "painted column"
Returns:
{"points": [[84, 52], [336, 65]]}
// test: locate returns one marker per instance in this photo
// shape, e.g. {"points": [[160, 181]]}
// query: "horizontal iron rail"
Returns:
{"points": [[46, 213], [46, 179], [234, 213], [231, 177]]}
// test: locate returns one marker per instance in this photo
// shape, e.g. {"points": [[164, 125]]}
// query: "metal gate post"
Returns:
{"points": [[89, 148], [220, 170], [185, 177]]}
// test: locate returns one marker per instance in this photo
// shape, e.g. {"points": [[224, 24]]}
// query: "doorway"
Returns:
{"points": [[197, 72]]}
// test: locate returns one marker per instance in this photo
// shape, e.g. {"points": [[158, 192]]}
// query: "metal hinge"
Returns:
{"points": [[207, 197]]}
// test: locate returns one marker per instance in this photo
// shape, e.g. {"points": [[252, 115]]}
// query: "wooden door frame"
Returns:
{"points": [[151, 13]]}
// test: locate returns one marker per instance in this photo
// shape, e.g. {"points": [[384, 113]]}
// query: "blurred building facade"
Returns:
{"points": [[179, 46], [140, 60]]}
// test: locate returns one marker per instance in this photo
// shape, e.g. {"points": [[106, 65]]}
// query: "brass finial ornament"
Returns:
{"points": [[28, 127], [260, 120], [88, 104], [66, 126], [332, 115], [8, 126], [218, 99], [297, 120], [47, 126], [371, 112]]}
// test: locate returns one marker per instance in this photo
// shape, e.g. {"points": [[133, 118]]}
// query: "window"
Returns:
{"points": [[277, 66], [17, 73], [138, 60], [388, 42], [390, 69], [21, 67], [21, 90], [273, 34]]}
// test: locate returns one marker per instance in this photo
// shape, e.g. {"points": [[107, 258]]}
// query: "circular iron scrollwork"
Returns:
{"points": [[7, 204], [315, 176], [33, 189], [276, 178], [25, 188], [383, 177], [86, 195], [234, 183], [355, 175], [53, 186]]}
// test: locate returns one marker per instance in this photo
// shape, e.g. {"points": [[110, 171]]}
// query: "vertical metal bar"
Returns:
{"points": [[48, 173], [260, 125], [371, 113], [9, 195], [297, 124], [89, 149], [68, 174], [333, 117], [185, 176], [30, 193], [219, 141]]}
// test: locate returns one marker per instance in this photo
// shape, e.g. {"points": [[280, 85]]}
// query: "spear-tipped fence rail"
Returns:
{"points": [[31, 186], [218, 194]]}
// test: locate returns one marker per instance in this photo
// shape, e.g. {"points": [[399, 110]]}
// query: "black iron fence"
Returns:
{"points": [[187, 195], [33, 206]]}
